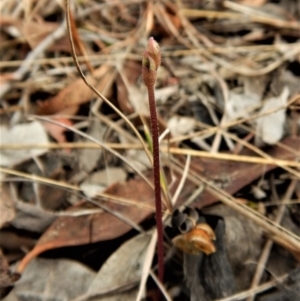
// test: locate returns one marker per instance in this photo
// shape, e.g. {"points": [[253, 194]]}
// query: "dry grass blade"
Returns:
{"points": [[166, 150], [102, 58], [74, 188], [67, 3], [182, 180], [242, 70], [236, 158], [147, 265], [161, 287], [103, 145], [253, 17], [257, 290], [266, 156]]}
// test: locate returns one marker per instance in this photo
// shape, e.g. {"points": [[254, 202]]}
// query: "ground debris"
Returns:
{"points": [[76, 181]]}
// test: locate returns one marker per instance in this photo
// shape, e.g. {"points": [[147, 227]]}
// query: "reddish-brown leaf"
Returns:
{"points": [[232, 176], [70, 231]]}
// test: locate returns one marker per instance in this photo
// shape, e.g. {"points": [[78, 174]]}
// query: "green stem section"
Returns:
{"points": [[156, 176]]}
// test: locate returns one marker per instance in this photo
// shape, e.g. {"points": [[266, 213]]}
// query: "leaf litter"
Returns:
{"points": [[228, 85], [28, 133]]}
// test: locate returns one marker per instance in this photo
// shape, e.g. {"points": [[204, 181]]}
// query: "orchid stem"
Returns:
{"points": [[156, 176], [151, 62]]}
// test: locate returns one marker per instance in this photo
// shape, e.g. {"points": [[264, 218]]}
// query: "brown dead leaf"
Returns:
{"points": [[52, 279], [57, 132], [88, 158], [232, 176], [36, 31], [99, 180], [71, 231], [32, 218], [77, 92]]}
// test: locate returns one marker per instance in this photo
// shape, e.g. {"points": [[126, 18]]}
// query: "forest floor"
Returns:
{"points": [[77, 209]]}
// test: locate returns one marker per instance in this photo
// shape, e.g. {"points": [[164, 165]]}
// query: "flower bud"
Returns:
{"points": [[153, 51], [151, 62]]}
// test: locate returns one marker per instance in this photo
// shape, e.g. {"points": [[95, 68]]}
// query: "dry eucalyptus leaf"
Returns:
{"points": [[32, 218], [291, 81], [100, 180], [76, 93], [138, 100], [52, 279], [137, 158], [58, 132], [181, 125], [122, 268], [240, 105], [26, 133], [163, 94], [35, 32], [88, 158], [270, 128]]}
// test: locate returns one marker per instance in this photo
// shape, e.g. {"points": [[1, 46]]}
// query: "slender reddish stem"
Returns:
{"points": [[156, 176]]}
